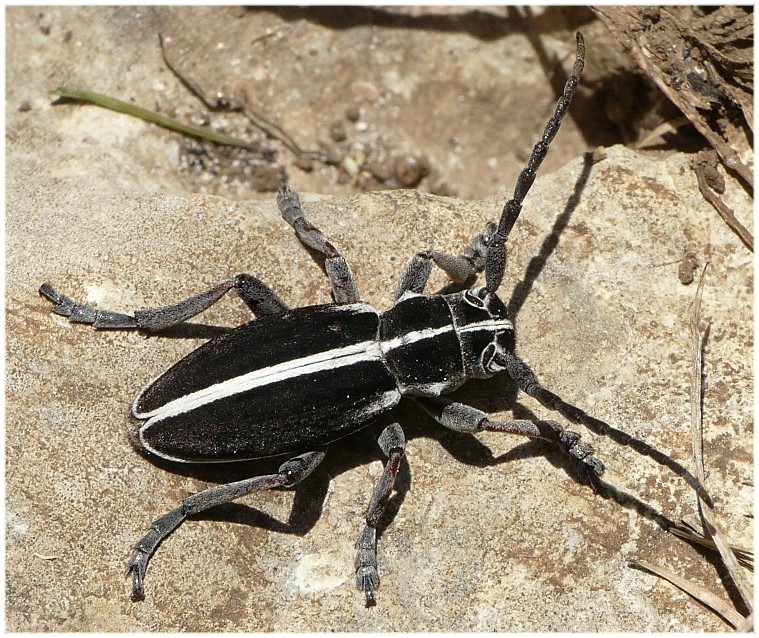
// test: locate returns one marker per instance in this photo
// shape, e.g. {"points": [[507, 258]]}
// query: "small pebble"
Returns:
{"points": [[337, 132], [410, 169]]}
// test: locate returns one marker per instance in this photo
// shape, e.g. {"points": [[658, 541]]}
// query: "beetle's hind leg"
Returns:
{"points": [[256, 295], [289, 473], [464, 418], [393, 445], [344, 289]]}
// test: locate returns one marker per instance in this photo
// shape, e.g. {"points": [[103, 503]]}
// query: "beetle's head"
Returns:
{"points": [[484, 330]]}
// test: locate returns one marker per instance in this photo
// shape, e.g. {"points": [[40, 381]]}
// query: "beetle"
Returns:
{"points": [[293, 381]]}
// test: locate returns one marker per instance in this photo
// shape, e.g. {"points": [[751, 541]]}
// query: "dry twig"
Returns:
{"points": [[725, 551], [701, 594], [271, 129], [700, 166]]}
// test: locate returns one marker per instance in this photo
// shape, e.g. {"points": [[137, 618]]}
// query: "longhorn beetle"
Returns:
{"points": [[294, 380]]}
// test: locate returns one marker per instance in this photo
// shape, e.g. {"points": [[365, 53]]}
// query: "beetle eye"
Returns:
{"points": [[490, 361], [472, 298]]}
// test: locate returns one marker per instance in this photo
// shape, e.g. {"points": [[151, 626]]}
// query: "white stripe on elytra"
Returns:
{"points": [[321, 361], [329, 360]]}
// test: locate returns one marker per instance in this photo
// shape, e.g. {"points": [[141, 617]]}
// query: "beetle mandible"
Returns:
{"points": [[312, 375]]}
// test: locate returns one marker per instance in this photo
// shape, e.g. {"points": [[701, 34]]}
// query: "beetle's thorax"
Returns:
{"points": [[433, 343]]}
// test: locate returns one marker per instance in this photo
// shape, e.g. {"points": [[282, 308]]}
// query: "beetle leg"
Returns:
{"points": [[261, 299], [344, 289], [464, 418], [393, 445], [256, 295], [458, 267], [289, 473]]}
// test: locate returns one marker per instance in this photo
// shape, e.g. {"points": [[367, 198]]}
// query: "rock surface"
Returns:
{"points": [[493, 533]]}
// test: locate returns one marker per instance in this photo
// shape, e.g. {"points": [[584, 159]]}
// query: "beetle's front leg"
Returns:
{"points": [[464, 418], [458, 267], [393, 445], [289, 473], [344, 289], [256, 295]]}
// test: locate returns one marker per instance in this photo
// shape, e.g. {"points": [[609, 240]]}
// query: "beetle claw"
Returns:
{"points": [[137, 565], [370, 596], [62, 305], [367, 580]]}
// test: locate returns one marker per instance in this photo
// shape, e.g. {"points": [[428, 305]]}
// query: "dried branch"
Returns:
{"points": [[728, 557], [701, 165], [701, 594]]}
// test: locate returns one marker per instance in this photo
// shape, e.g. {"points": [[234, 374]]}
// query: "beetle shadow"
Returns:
{"points": [[188, 330], [468, 449], [361, 448], [480, 24], [493, 395], [536, 265], [483, 24], [309, 495]]}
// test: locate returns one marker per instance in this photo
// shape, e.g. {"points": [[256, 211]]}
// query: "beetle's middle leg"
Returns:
{"points": [[344, 289], [261, 299], [393, 445], [289, 473], [464, 418]]}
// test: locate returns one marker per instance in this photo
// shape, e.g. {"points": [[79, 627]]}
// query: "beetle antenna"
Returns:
{"points": [[496, 258], [528, 382]]}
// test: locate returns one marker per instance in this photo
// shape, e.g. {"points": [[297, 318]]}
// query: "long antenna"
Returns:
{"points": [[496, 259]]}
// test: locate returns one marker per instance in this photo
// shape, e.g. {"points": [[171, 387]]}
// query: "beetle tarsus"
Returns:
{"points": [[82, 313], [367, 576], [392, 442], [137, 564]]}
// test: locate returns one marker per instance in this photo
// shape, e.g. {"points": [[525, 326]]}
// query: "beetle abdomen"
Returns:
{"points": [[269, 387]]}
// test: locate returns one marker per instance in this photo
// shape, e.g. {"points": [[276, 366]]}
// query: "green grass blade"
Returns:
{"points": [[202, 132]]}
